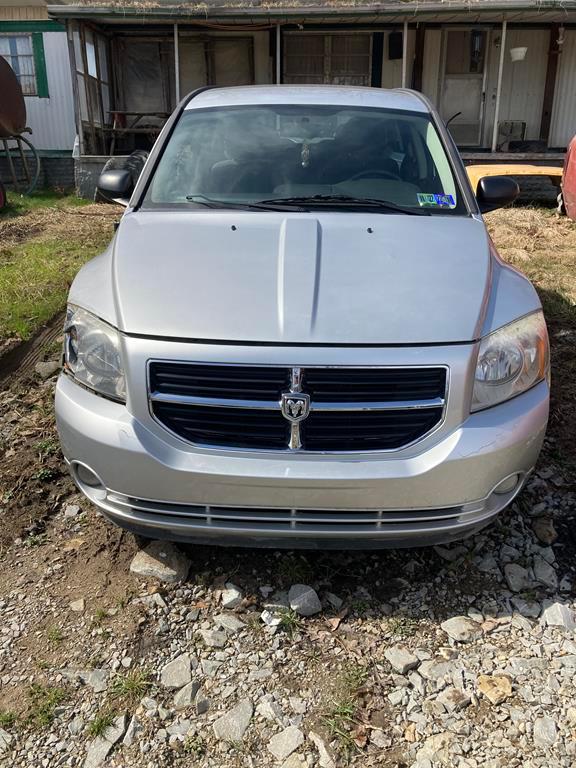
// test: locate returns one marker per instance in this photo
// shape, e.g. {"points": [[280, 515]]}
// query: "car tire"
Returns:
{"points": [[561, 209]]}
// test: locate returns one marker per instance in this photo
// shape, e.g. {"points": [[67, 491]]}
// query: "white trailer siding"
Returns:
{"points": [[522, 81], [564, 110], [52, 119]]}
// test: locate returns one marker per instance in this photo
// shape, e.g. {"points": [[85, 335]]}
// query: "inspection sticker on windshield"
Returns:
{"points": [[442, 200]]}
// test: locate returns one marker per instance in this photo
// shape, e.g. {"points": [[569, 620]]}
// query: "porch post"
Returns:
{"points": [[278, 55], [176, 64], [499, 86], [405, 55]]}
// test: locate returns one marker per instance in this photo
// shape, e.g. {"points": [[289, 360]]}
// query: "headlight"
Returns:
{"points": [[92, 354], [510, 361]]}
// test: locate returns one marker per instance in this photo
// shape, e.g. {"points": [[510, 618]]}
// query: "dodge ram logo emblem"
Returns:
{"points": [[295, 406]]}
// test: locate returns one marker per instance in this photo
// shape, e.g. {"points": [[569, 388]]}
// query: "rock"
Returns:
{"points": [[304, 600], [284, 743], [78, 606], [462, 629], [100, 748], [556, 614], [71, 510], [176, 674], [544, 530], [335, 601], [231, 726], [202, 705], [230, 622], [527, 608], [270, 619], [134, 728], [97, 679], [5, 740], [269, 708], [545, 573], [454, 699], [496, 688], [47, 368], [186, 695], [295, 761], [324, 759], [436, 749], [75, 725], [545, 732], [161, 560], [232, 596], [517, 577], [213, 638], [401, 659]]}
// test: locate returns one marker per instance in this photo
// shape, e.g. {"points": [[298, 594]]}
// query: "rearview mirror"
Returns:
{"points": [[116, 185], [495, 192]]}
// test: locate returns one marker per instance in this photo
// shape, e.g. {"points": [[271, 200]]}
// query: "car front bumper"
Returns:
{"points": [[161, 488]]}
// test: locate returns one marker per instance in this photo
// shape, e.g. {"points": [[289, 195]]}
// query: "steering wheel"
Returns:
{"points": [[375, 174]]}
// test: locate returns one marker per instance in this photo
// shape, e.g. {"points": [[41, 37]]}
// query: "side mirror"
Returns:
{"points": [[495, 192], [116, 185]]}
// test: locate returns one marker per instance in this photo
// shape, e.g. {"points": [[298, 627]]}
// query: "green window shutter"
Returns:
{"points": [[40, 65]]}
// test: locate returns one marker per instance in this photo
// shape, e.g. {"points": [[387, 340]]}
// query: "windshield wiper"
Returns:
{"points": [[264, 205], [347, 201]]}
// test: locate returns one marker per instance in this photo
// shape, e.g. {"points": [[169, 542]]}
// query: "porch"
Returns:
{"points": [[504, 78]]}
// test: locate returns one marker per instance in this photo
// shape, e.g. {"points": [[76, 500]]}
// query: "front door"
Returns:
{"points": [[463, 84]]}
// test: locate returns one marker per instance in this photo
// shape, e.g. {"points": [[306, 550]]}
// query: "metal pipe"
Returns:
{"points": [[499, 86], [278, 55], [404, 54], [176, 64]]}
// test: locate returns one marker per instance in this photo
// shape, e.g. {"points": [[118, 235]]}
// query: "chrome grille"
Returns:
{"points": [[322, 409]]}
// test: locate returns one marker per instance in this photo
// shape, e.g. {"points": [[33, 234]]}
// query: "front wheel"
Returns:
{"points": [[561, 208]]}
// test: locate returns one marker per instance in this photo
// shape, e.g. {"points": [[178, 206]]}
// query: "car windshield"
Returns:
{"points": [[302, 156]]}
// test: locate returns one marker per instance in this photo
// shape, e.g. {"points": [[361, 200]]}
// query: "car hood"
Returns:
{"points": [[345, 278]]}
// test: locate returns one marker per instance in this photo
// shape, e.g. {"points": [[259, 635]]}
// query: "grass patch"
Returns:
{"points": [[340, 717], [17, 205], [100, 724], [294, 569], [131, 687], [290, 622], [7, 719], [55, 636], [43, 700], [34, 280]]}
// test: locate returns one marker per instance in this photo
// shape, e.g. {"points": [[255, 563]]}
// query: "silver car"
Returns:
{"points": [[301, 334]]}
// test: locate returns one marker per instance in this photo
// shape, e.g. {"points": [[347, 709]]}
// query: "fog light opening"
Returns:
{"points": [[86, 476], [507, 485]]}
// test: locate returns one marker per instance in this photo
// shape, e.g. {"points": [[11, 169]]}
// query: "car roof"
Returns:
{"points": [[398, 98]]}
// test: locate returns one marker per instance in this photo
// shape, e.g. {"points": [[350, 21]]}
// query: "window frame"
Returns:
{"points": [[38, 57]]}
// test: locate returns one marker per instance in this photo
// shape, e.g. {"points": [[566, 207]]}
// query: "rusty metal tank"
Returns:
{"points": [[12, 104]]}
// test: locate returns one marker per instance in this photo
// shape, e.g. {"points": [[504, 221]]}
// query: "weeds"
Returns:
{"points": [[402, 626], [43, 701], [100, 614], [130, 687], [100, 724], [341, 717], [7, 719], [290, 622], [55, 636], [35, 540], [194, 745], [294, 569], [46, 448]]}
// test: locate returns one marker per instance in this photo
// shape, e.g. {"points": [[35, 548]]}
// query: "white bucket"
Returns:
{"points": [[518, 54]]}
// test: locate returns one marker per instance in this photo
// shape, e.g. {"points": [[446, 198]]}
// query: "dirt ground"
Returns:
{"points": [[56, 549]]}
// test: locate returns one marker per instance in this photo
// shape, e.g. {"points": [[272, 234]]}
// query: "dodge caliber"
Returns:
{"points": [[301, 334]]}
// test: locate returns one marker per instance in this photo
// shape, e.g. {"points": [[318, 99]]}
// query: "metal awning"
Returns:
{"points": [[322, 11]]}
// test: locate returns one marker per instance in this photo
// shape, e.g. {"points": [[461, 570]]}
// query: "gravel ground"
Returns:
{"points": [[459, 656]]}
